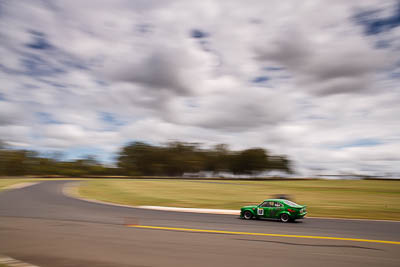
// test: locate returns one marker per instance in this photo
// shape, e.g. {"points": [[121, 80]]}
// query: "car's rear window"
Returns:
{"points": [[292, 204]]}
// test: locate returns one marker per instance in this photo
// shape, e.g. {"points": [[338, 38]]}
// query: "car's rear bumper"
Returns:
{"points": [[301, 215]]}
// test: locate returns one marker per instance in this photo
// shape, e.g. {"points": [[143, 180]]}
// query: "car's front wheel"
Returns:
{"points": [[284, 218], [247, 215]]}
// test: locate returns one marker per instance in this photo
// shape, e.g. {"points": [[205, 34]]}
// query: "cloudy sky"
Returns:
{"points": [[315, 80]]}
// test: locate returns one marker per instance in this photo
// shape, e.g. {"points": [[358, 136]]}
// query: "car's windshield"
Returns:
{"points": [[290, 203]]}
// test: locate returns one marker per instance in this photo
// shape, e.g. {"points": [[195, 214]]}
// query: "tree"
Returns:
{"points": [[181, 158], [217, 159], [141, 159], [280, 163], [138, 158], [250, 161]]}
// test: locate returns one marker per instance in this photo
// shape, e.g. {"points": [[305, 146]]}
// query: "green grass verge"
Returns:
{"points": [[324, 198], [7, 182]]}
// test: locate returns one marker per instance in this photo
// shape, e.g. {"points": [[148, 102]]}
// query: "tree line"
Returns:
{"points": [[142, 159]]}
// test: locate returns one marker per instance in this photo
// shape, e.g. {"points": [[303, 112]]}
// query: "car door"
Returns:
{"points": [[275, 209], [264, 209]]}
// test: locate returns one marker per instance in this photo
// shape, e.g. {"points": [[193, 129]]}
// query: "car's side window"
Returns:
{"points": [[270, 204]]}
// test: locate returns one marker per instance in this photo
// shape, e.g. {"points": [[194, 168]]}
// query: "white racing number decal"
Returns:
{"points": [[260, 211]]}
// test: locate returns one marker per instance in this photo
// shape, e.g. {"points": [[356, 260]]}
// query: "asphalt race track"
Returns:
{"points": [[39, 225]]}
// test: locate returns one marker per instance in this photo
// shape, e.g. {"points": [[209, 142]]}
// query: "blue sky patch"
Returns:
{"points": [[39, 41], [35, 65], [195, 33], [51, 83], [382, 44], [361, 143], [82, 152], [274, 68], [101, 82], [374, 24], [110, 119], [74, 64], [260, 79], [46, 118]]}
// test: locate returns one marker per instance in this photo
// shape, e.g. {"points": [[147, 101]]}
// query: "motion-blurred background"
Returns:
{"points": [[201, 107], [314, 82]]}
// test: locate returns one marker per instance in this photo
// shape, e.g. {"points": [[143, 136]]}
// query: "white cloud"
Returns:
{"points": [[301, 79]]}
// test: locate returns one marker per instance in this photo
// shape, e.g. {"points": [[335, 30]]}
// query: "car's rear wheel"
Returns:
{"points": [[284, 218], [247, 215]]}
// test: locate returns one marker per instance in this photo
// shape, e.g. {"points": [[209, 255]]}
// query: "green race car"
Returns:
{"points": [[282, 209]]}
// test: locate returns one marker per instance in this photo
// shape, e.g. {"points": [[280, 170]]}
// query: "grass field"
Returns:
{"points": [[325, 198], [7, 182]]}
